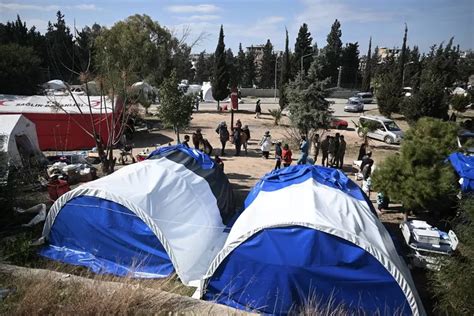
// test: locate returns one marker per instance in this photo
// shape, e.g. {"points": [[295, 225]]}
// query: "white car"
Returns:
{"points": [[354, 104], [366, 97], [385, 129]]}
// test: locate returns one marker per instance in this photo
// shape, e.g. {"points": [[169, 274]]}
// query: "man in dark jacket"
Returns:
{"points": [[197, 138], [223, 135]]}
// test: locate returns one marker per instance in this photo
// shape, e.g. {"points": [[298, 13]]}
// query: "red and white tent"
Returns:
{"points": [[63, 122]]}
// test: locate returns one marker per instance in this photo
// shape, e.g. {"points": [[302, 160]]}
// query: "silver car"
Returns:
{"points": [[384, 129], [354, 104]]}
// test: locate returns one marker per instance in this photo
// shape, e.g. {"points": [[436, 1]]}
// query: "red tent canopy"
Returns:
{"points": [[62, 123]]}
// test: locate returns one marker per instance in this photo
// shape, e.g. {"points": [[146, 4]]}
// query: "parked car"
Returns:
{"points": [[385, 129], [354, 104], [338, 123], [366, 97]]}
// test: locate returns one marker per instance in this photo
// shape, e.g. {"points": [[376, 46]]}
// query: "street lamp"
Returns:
{"points": [[276, 63], [403, 72], [303, 57]]}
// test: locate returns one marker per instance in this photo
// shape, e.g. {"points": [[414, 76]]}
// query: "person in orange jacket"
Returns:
{"points": [[286, 155]]}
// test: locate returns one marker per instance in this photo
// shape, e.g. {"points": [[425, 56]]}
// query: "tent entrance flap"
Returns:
{"points": [[108, 238], [287, 268]]}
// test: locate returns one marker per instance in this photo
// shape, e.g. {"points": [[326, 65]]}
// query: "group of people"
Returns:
{"points": [[333, 149], [239, 137]]}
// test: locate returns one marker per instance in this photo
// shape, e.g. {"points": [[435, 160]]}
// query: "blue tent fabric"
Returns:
{"points": [[108, 239], [279, 270], [279, 179], [204, 161], [464, 166]]}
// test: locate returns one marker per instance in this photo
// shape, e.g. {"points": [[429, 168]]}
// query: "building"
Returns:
{"points": [[385, 52]]}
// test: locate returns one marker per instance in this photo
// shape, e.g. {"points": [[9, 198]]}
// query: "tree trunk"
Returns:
{"points": [[176, 130], [218, 105], [231, 118]]}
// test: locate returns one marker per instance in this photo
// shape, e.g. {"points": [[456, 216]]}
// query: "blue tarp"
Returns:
{"points": [[109, 238], [280, 270], [464, 166], [282, 178], [204, 160]]}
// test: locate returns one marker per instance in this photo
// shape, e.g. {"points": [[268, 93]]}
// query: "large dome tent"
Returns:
{"points": [[147, 219], [307, 233]]}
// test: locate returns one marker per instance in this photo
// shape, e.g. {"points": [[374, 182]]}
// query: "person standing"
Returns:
{"points": [[325, 151], [223, 135], [258, 109], [237, 140], [317, 146], [246, 132], [331, 151], [341, 151], [206, 147], [238, 124], [304, 148], [278, 155], [336, 149], [367, 179], [197, 138], [286, 155], [186, 141], [266, 144], [362, 151]]}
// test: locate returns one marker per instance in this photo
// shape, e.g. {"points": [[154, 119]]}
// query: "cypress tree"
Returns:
{"points": [[333, 51], [303, 47], [267, 69], [368, 68], [249, 75], [220, 81], [403, 56], [240, 65], [285, 73]]}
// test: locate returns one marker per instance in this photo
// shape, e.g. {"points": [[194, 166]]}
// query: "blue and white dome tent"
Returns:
{"points": [[167, 213], [307, 233]]}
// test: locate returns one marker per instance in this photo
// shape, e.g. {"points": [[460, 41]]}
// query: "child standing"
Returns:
{"points": [[278, 155], [286, 155]]}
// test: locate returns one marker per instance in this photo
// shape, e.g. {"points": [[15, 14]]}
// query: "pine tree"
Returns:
{"points": [[267, 68], [231, 68], [333, 52], [250, 70], [203, 72], [368, 68], [285, 73], [350, 65], [403, 58], [220, 81], [303, 47], [240, 65]]}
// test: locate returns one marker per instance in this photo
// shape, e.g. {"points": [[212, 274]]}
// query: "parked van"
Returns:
{"points": [[385, 129], [366, 97]]}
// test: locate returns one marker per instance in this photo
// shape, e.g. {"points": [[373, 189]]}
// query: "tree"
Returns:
{"points": [[220, 81], [60, 47], [389, 94], [308, 108], [19, 70], [460, 102], [240, 65], [403, 57], [442, 62], [285, 73], [429, 101], [203, 71], [176, 108], [138, 47], [303, 47], [419, 177], [368, 68], [181, 61], [453, 283], [250, 70], [333, 52], [231, 68], [267, 68], [350, 65]]}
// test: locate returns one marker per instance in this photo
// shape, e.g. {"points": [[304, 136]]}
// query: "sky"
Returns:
{"points": [[253, 22]]}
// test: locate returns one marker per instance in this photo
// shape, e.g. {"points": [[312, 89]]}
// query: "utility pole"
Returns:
{"points": [[339, 76]]}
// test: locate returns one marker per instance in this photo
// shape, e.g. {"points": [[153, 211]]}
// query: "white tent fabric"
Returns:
{"points": [[331, 211], [55, 85], [207, 92], [12, 126], [175, 203]]}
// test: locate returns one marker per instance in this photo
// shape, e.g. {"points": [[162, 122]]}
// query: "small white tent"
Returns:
{"points": [[207, 92], [19, 139]]}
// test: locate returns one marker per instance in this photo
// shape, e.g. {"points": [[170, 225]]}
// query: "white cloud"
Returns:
{"points": [[13, 6], [40, 25], [201, 8], [204, 17]]}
